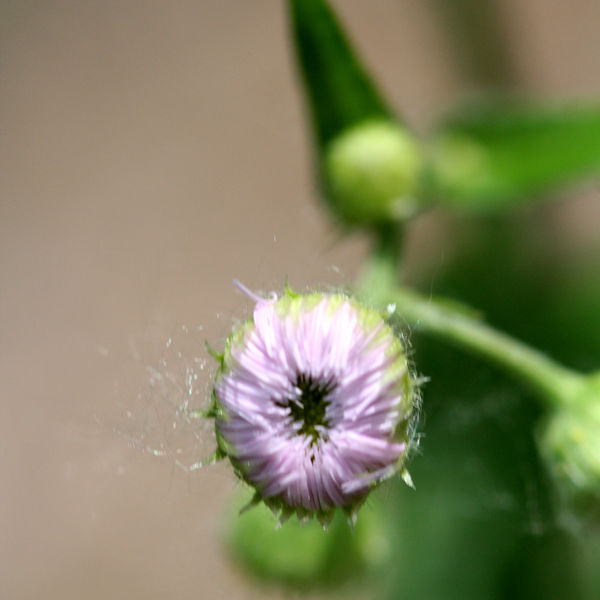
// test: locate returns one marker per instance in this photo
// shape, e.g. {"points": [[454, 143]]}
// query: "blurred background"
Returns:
{"points": [[150, 152]]}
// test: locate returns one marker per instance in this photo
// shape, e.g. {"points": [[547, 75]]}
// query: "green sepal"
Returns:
{"points": [[325, 518], [289, 291], [253, 502], [218, 356], [284, 516], [215, 457], [211, 412]]}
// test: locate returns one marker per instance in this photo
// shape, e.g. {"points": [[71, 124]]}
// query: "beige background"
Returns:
{"points": [[150, 152]]}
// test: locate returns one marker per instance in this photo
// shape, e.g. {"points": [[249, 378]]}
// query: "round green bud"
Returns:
{"points": [[303, 556], [371, 172], [570, 441]]}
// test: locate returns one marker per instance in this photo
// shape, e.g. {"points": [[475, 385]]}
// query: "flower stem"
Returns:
{"points": [[459, 325]]}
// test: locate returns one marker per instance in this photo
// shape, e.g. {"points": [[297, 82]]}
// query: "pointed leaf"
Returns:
{"points": [[339, 89]]}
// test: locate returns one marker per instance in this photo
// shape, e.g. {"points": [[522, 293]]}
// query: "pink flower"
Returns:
{"points": [[314, 404]]}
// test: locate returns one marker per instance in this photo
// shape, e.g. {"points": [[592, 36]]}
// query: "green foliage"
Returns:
{"points": [[486, 522], [303, 556], [489, 157], [497, 156]]}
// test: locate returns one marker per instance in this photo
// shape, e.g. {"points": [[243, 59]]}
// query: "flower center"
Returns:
{"points": [[310, 408]]}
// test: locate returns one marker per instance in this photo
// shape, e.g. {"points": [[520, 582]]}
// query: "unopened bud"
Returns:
{"points": [[372, 172], [570, 441]]}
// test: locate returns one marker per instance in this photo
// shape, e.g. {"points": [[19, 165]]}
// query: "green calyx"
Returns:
{"points": [[372, 172]]}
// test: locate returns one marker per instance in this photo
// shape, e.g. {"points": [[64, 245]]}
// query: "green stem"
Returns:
{"points": [[458, 325]]}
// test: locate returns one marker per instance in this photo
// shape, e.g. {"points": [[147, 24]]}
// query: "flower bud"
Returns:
{"points": [[371, 172], [570, 441], [314, 404], [304, 556]]}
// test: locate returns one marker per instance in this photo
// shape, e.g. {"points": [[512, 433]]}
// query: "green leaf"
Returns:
{"points": [[499, 156], [485, 516], [339, 90]]}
